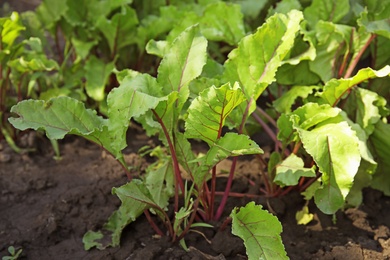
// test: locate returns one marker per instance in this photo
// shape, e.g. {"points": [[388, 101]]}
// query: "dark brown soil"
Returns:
{"points": [[46, 207]]}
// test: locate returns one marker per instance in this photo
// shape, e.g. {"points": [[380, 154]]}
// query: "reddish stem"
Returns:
{"points": [[354, 62], [178, 178], [152, 223]]}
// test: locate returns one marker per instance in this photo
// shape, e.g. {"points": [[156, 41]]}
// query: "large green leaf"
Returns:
{"points": [[260, 231], [97, 74], [230, 144], [376, 22], [335, 149], [335, 89], [133, 98], [326, 10], [51, 11], [290, 170], [207, 113], [254, 63], [58, 117]]}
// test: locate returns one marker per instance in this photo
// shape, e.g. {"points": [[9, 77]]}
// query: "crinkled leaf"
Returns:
{"points": [[135, 198], [223, 22], [254, 63], [260, 231], [335, 149], [326, 10], [208, 112], [10, 28], [362, 180], [230, 144], [133, 98], [58, 117], [97, 74], [380, 140], [290, 170], [334, 89], [284, 103]]}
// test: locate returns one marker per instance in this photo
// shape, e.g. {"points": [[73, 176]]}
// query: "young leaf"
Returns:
{"points": [[183, 62], [334, 89], [260, 231], [10, 28], [231, 144], [254, 63], [303, 216], [207, 113], [289, 171], [335, 149]]}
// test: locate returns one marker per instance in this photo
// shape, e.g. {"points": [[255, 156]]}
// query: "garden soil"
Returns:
{"points": [[46, 206]]}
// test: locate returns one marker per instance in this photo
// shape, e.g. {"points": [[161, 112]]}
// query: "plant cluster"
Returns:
{"points": [[314, 77]]}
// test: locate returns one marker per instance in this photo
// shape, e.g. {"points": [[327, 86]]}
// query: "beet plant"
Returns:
{"points": [[301, 77]]}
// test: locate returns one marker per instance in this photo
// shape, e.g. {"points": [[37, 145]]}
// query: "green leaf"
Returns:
{"points": [[58, 117], [135, 198], [285, 102], [231, 144], [365, 108], [83, 48], [133, 98], [51, 11], [208, 112], [335, 149], [312, 114], [183, 62], [380, 140], [326, 10], [284, 6], [331, 42], [10, 28], [260, 231], [254, 67], [223, 22], [119, 31], [290, 170], [303, 216], [378, 25], [251, 8], [97, 74], [335, 89], [160, 182]]}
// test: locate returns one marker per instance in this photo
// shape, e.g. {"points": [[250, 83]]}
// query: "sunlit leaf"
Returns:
{"points": [[260, 231]]}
